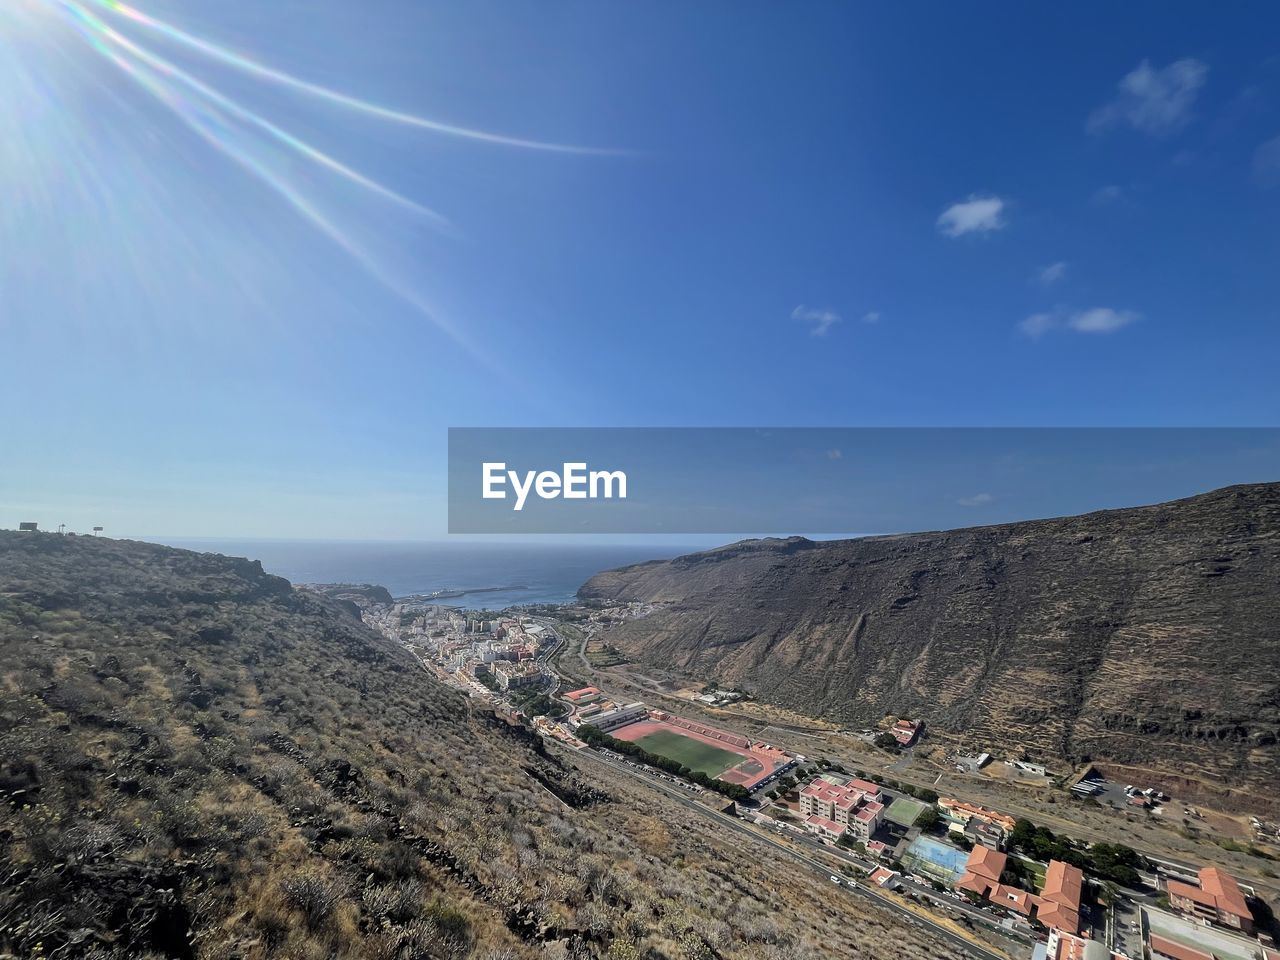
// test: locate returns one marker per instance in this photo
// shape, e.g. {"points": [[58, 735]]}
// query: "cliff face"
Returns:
{"points": [[1146, 636]]}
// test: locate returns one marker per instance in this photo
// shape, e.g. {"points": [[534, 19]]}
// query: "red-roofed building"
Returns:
{"points": [[1061, 896], [585, 695], [827, 829], [1162, 948], [884, 877], [872, 790], [1218, 900], [982, 871], [846, 805], [1012, 898], [1067, 946], [1057, 906], [958, 814], [904, 731]]}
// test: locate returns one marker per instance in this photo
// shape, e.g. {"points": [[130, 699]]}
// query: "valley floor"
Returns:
{"points": [[1215, 837]]}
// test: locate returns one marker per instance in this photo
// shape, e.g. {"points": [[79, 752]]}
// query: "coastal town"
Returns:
{"points": [[997, 884]]}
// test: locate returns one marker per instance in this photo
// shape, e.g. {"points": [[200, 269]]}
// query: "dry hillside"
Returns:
{"points": [[197, 760]]}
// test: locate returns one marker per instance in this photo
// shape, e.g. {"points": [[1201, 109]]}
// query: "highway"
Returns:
{"points": [[826, 870]]}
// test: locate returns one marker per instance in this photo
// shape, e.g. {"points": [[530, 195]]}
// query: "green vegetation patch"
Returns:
{"points": [[1110, 861], [690, 753], [904, 811]]}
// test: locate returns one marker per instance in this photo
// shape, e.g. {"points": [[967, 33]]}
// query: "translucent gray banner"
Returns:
{"points": [[818, 480]]}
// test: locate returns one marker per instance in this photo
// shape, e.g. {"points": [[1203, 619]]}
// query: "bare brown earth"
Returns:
{"points": [[1146, 637]]}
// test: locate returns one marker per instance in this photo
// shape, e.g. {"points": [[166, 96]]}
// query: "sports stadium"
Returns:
{"points": [[724, 756]]}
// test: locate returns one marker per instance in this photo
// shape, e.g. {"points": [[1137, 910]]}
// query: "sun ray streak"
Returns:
{"points": [[208, 120], [246, 65], [231, 106]]}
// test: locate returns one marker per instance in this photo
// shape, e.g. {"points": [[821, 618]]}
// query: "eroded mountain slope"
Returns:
{"points": [[1141, 636]]}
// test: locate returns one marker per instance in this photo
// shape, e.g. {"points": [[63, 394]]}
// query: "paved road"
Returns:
{"points": [[732, 823], [903, 761], [925, 891]]}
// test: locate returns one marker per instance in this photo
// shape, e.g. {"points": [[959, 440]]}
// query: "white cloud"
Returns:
{"points": [[820, 321], [1094, 320], [1038, 324], [1052, 273], [975, 215], [871, 317], [1154, 101], [834, 454], [977, 500], [1266, 163], [1106, 195], [1101, 320]]}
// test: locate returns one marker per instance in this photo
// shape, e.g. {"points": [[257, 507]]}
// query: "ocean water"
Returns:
{"points": [[551, 572]]}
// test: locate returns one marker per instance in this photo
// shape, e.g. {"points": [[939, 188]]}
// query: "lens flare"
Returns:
{"points": [[232, 59], [254, 143], [96, 31]]}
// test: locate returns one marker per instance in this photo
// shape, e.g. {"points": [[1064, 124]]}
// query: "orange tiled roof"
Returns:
{"points": [[1225, 891], [1178, 951], [1189, 891], [1063, 882], [986, 862], [975, 883], [1073, 947], [1053, 914], [1013, 899], [982, 870], [881, 874], [1060, 898], [823, 823], [973, 810]]}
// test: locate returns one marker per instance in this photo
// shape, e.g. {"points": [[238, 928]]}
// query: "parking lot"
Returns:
{"points": [[1112, 794], [1128, 927]]}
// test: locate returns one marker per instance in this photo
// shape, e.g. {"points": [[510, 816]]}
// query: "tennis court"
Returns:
{"points": [[935, 859], [904, 811]]}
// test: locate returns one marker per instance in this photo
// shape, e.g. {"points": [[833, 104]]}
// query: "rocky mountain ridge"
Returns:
{"points": [[1145, 637]]}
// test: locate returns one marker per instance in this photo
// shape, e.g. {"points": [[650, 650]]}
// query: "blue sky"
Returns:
{"points": [[815, 215]]}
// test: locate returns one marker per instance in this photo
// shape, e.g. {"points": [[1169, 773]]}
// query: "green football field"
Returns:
{"points": [[691, 753]]}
